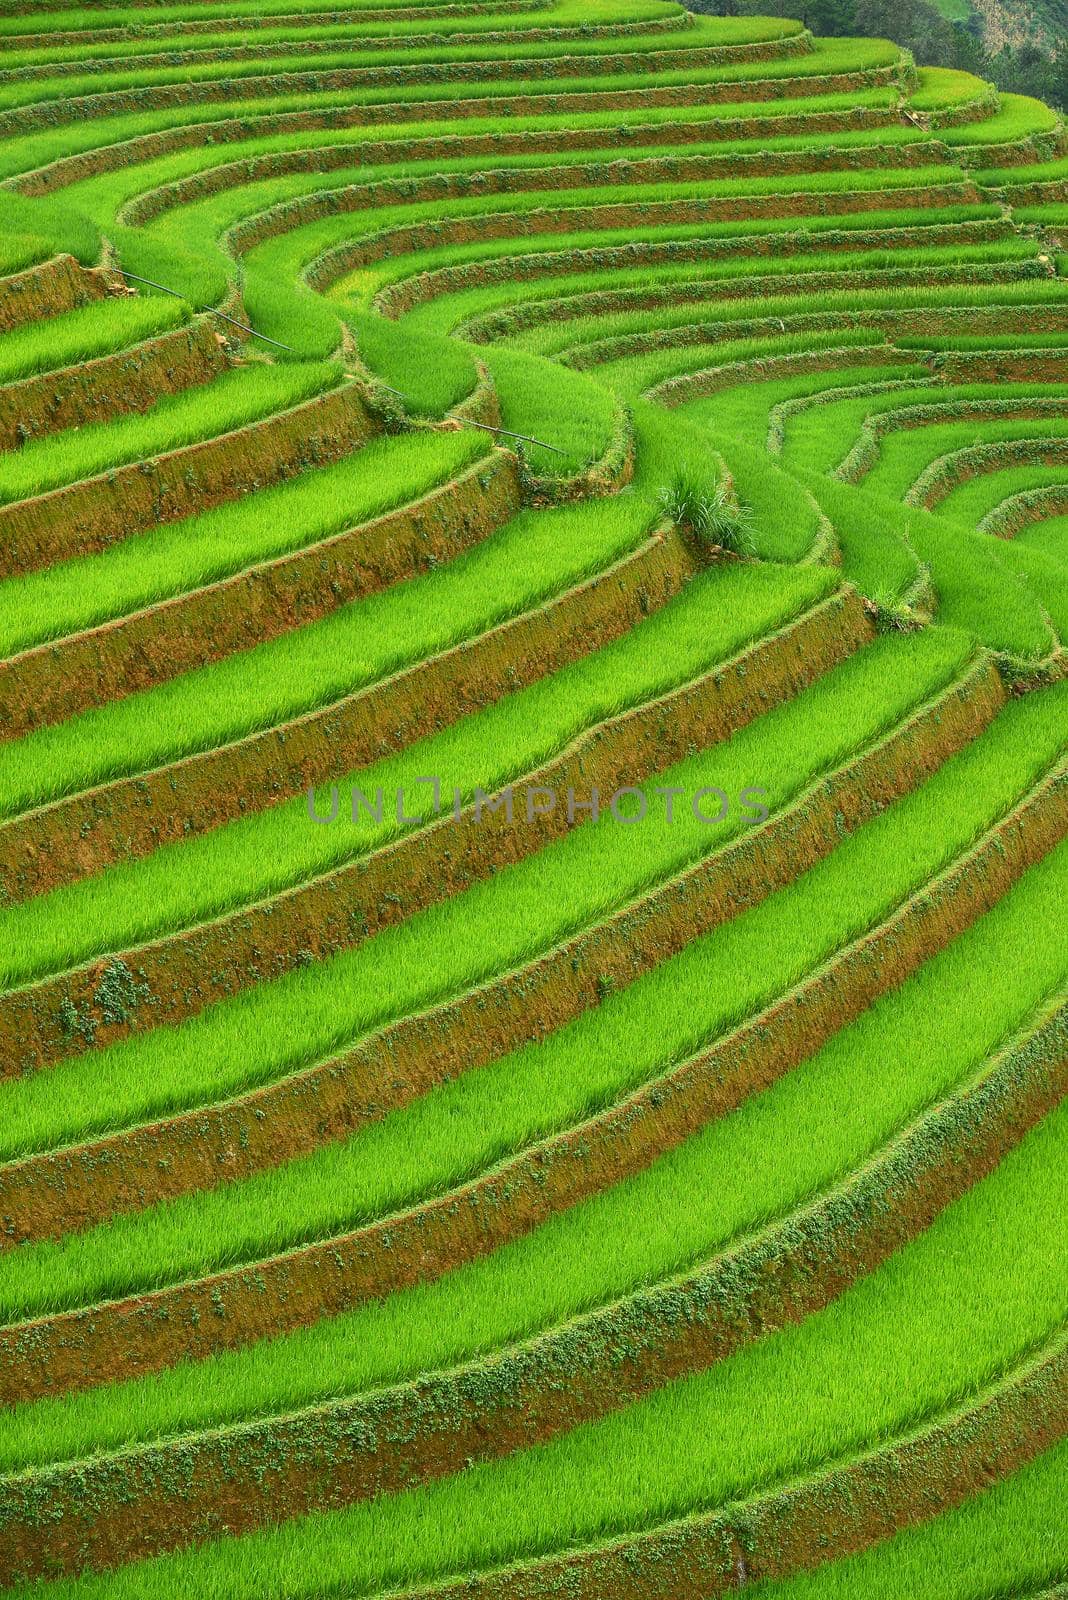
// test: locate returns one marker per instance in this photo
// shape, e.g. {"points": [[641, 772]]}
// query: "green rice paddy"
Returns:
{"points": [[707, 393]]}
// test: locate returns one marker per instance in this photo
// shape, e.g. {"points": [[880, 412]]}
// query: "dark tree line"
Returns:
{"points": [[933, 40]]}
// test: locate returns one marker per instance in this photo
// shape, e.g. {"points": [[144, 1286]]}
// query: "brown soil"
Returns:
{"points": [[134, 816], [448, 8], [442, 148], [149, 147], [86, 517], [264, 51], [622, 170], [798, 1526], [302, 19], [80, 1185], [58, 679], [910, 323], [1021, 510], [1035, 194], [47, 290], [456, 146], [687, 386], [405, 238], [933, 414], [108, 1510], [157, 96], [180, 974], [397, 298], [961, 466], [121, 1339], [495, 325], [112, 385], [1001, 366]]}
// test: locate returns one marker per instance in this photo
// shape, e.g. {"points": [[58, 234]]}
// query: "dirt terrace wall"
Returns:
{"points": [[113, 385], [86, 517], [1031, 150], [865, 453], [795, 1526], [370, 14], [1019, 511], [961, 466], [112, 1509], [526, 314], [1034, 194], [158, 97], [47, 290], [613, 1355], [58, 679], [1000, 366], [909, 323], [443, 147], [395, 299], [184, 972], [610, 473], [143, 1332], [355, 44], [404, 239], [129, 817], [56, 1191], [780, 415], [206, 91], [679, 169], [686, 386], [194, 25], [457, 146], [459, 69], [291, 214]]}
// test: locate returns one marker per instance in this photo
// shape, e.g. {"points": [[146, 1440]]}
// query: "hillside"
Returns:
{"points": [[1017, 24], [533, 808]]}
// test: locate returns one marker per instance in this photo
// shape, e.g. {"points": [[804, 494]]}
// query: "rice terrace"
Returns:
{"points": [[533, 808]]}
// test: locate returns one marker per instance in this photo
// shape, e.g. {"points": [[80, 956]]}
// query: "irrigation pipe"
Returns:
{"points": [[527, 439], [211, 311]]}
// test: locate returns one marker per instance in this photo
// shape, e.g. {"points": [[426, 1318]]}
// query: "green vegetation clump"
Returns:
{"points": [[533, 623]]}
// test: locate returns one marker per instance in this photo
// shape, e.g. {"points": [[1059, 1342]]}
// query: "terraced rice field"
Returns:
{"points": [[533, 808]]}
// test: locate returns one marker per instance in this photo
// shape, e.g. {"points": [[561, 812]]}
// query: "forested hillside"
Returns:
{"points": [[1020, 45]]}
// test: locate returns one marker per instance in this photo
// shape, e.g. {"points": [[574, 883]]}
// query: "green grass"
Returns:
{"points": [[589, 340], [821, 436], [906, 455], [1007, 1540], [91, 331], [562, 14], [716, 1190], [532, 558], [431, 373], [1019, 117], [971, 502], [45, 228], [833, 56], [837, 1384], [232, 400], [1048, 535], [26, 151], [205, 875], [304, 1017], [552, 296], [578, 894], [684, 1209], [940, 88], [863, 232], [424, 103], [564, 409], [181, 556]]}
